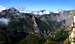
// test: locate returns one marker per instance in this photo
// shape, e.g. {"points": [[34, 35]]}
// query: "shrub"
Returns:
{"points": [[58, 36], [32, 39]]}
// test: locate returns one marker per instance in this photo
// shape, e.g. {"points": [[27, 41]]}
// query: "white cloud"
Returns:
{"points": [[46, 12], [40, 13], [56, 11], [2, 8], [4, 20]]}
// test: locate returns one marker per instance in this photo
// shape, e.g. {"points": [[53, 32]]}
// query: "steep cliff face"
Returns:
{"points": [[19, 25], [28, 22]]}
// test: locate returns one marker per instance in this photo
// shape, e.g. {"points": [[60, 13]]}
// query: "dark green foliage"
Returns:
{"points": [[52, 24], [32, 39], [42, 26], [16, 30], [58, 36]]}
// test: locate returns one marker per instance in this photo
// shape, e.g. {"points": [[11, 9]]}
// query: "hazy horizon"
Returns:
{"points": [[36, 5]]}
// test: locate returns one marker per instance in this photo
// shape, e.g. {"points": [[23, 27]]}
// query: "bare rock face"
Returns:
{"points": [[72, 36]]}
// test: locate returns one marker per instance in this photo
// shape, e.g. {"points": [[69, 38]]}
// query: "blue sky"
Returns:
{"points": [[51, 5]]}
